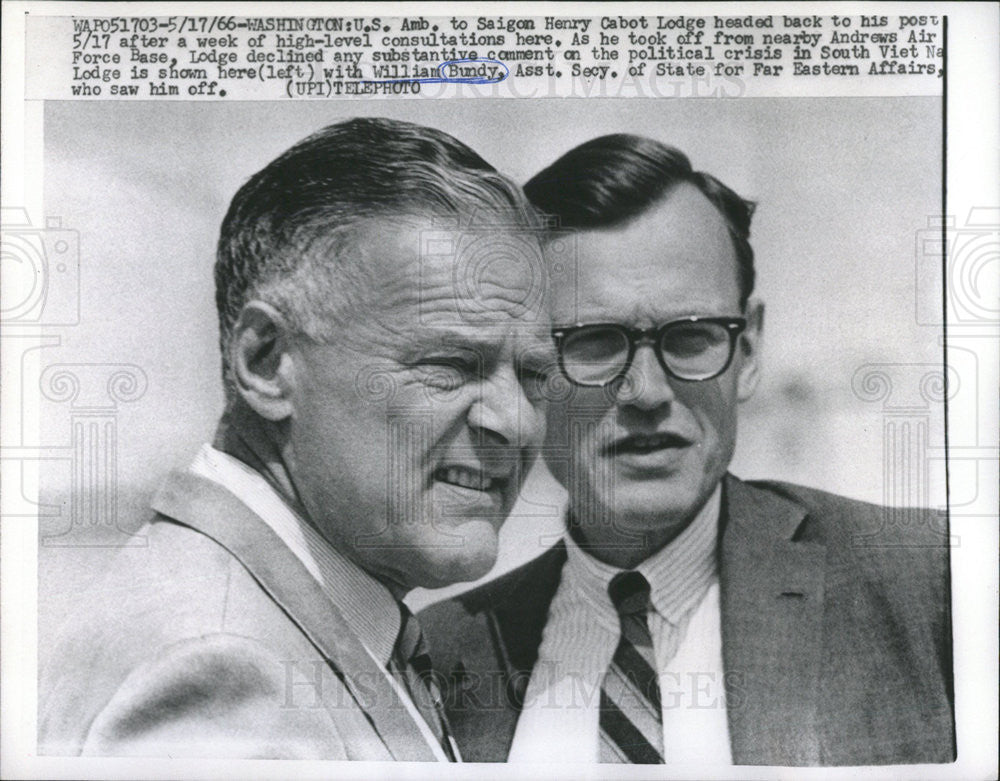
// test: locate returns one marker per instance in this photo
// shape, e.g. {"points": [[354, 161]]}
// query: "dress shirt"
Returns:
{"points": [[560, 718], [369, 610]]}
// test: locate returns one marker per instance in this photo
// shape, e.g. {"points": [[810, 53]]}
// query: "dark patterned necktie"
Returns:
{"points": [[631, 722], [412, 664]]}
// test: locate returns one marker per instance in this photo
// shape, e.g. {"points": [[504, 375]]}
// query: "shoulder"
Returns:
{"points": [[898, 557], [829, 517], [149, 629], [215, 695], [173, 584], [814, 500], [879, 614]]}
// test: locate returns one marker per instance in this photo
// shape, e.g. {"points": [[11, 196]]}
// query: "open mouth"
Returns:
{"points": [[646, 443], [467, 478]]}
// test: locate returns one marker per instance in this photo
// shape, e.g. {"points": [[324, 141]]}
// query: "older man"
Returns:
{"points": [[381, 369], [688, 616]]}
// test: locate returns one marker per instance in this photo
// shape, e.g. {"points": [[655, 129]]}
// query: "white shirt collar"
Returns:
{"points": [[679, 574]]}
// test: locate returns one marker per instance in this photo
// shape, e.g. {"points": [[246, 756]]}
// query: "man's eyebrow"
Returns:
{"points": [[443, 333], [427, 339]]}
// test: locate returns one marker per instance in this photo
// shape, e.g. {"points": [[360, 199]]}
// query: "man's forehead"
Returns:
{"points": [[680, 250], [489, 335], [444, 241], [478, 259], [484, 345], [452, 275]]}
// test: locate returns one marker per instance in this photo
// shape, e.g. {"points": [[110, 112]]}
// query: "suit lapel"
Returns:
{"points": [[215, 512], [515, 612], [520, 617], [772, 620]]}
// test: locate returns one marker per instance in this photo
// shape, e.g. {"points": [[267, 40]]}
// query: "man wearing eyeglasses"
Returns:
{"points": [[687, 616]]}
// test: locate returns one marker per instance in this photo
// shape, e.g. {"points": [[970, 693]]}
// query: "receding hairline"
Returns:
{"points": [[357, 265], [297, 220]]}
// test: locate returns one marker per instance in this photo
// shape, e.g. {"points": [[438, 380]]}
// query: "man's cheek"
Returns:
{"points": [[378, 385], [716, 452]]}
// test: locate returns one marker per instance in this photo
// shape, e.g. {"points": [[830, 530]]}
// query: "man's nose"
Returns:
{"points": [[504, 410], [646, 385]]}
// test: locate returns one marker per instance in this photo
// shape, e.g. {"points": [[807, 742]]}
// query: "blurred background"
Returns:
{"points": [[847, 192]]}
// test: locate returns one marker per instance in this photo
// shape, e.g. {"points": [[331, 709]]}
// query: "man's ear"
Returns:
{"points": [[261, 360], [748, 349]]}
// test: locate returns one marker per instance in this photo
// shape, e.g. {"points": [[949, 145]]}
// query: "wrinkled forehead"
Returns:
{"points": [[443, 273]]}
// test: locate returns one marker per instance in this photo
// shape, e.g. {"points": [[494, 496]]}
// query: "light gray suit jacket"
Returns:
{"points": [[214, 640]]}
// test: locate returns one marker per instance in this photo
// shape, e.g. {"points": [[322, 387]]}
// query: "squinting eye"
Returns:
{"points": [[534, 381], [446, 373]]}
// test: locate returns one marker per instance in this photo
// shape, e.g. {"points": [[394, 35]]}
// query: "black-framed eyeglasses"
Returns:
{"points": [[690, 348]]}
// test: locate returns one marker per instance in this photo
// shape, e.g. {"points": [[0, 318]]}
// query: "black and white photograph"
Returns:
{"points": [[441, 418]]}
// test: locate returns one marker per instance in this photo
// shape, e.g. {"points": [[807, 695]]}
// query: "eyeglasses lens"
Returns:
{"points": [[695, 350], [594, 356]]}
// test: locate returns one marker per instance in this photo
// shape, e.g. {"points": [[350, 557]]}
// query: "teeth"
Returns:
{"points": [[466, 478], [644, 443]]}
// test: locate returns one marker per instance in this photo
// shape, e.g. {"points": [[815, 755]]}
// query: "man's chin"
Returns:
{"points": [[466, 552], [655, 506]]}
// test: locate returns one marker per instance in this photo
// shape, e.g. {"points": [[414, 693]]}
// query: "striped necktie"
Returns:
{"points": [[631, 722], [411, 663]]}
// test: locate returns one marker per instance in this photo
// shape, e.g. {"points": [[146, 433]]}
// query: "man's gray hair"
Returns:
{"points": [[291, 230]]}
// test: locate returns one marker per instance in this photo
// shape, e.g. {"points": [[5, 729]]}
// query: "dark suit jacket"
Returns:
{"points": [[214, 640], [835, 627]]}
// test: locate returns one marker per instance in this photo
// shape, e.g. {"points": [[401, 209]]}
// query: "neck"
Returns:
{"points": [[261, 445], [620, 549], [258, 443]]}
